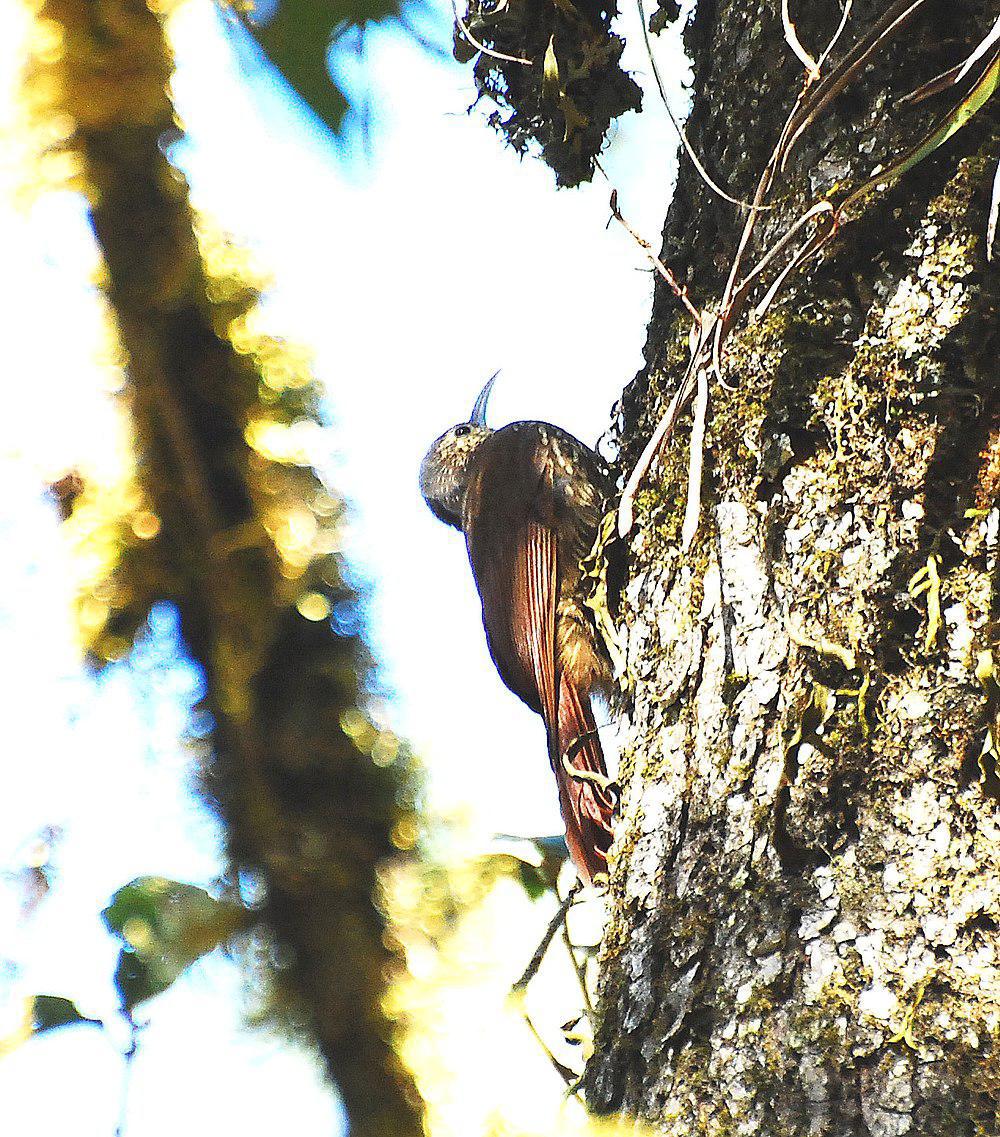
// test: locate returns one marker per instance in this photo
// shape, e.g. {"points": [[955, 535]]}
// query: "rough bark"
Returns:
{"points": [[314, 799], [805, 895]]}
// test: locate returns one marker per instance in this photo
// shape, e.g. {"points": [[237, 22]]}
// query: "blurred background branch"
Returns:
{"points": [[226, 519]]}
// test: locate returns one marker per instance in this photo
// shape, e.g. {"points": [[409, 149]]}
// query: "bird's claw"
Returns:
{"points": [[602, 781]]}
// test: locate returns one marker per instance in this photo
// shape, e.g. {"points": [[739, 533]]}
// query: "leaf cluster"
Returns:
{"points": [[297, 37]]}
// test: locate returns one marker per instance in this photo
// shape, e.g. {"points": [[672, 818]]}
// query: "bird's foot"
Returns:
{"points": [[602, 781]]}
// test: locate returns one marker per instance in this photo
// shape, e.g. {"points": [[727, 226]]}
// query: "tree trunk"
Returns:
{"points": [[805, 888]]}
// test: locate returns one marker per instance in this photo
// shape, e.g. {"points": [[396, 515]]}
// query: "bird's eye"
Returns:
{"points": [[460, 430]]}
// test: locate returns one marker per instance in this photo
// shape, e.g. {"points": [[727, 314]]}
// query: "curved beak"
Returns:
{"points": [[478, 415]]}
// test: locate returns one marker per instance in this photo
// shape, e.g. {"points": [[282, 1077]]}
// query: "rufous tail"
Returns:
{"points": [[586, 803]]}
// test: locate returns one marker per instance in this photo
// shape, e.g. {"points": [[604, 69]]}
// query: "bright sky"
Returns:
{"points": [[413, 277]]}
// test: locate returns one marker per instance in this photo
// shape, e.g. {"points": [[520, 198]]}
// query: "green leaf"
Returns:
{"points": [[951, 123], [534, 862], [550, 71], [531, 880], [297, 41], [49, 1012], [165, 926], [137, 979]]}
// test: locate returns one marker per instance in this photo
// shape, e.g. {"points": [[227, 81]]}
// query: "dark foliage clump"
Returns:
{"points": [[563, 85]]}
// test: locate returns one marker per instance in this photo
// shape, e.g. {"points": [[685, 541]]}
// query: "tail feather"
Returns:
{"points": [[586, 806]]}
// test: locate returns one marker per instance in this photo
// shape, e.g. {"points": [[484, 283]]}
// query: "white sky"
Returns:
{"points": [[412, 278]]}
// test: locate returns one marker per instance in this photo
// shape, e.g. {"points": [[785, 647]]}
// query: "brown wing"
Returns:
{"points": [[509, 523], [517, 526]]}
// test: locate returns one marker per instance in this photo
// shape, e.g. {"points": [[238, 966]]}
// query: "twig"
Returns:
{"points": [[128, 1065], [982, 88], [954, 120], [699, 338], [681, 133], [808, 105], [837, 34], [893, 21], [679, 290], [954, 75], [932, 87], [991, 40], [731, 298], [804, 111], [626, 512], [535, 962], [801, 254], [570, 1077], [589, 777], [991, 228], [692, 510], [463, 28], [814, 211], [578, 968], [793, 41]]}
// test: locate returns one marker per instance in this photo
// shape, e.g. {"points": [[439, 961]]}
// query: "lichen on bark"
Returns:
{"points": [[804, 898]]}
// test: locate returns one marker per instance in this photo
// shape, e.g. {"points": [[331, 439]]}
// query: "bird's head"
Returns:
{"points": [[444, 471]]}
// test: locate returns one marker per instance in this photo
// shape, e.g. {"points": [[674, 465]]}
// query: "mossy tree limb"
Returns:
{"points": [[314, 798]]}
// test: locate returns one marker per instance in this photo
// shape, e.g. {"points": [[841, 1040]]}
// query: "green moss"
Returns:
{"points": [[732, 685]]}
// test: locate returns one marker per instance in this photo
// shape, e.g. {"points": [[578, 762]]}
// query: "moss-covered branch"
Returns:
{"points": [[226, 520]]}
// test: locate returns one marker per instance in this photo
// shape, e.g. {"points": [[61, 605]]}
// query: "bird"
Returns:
{"points": [[529, 498]]}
